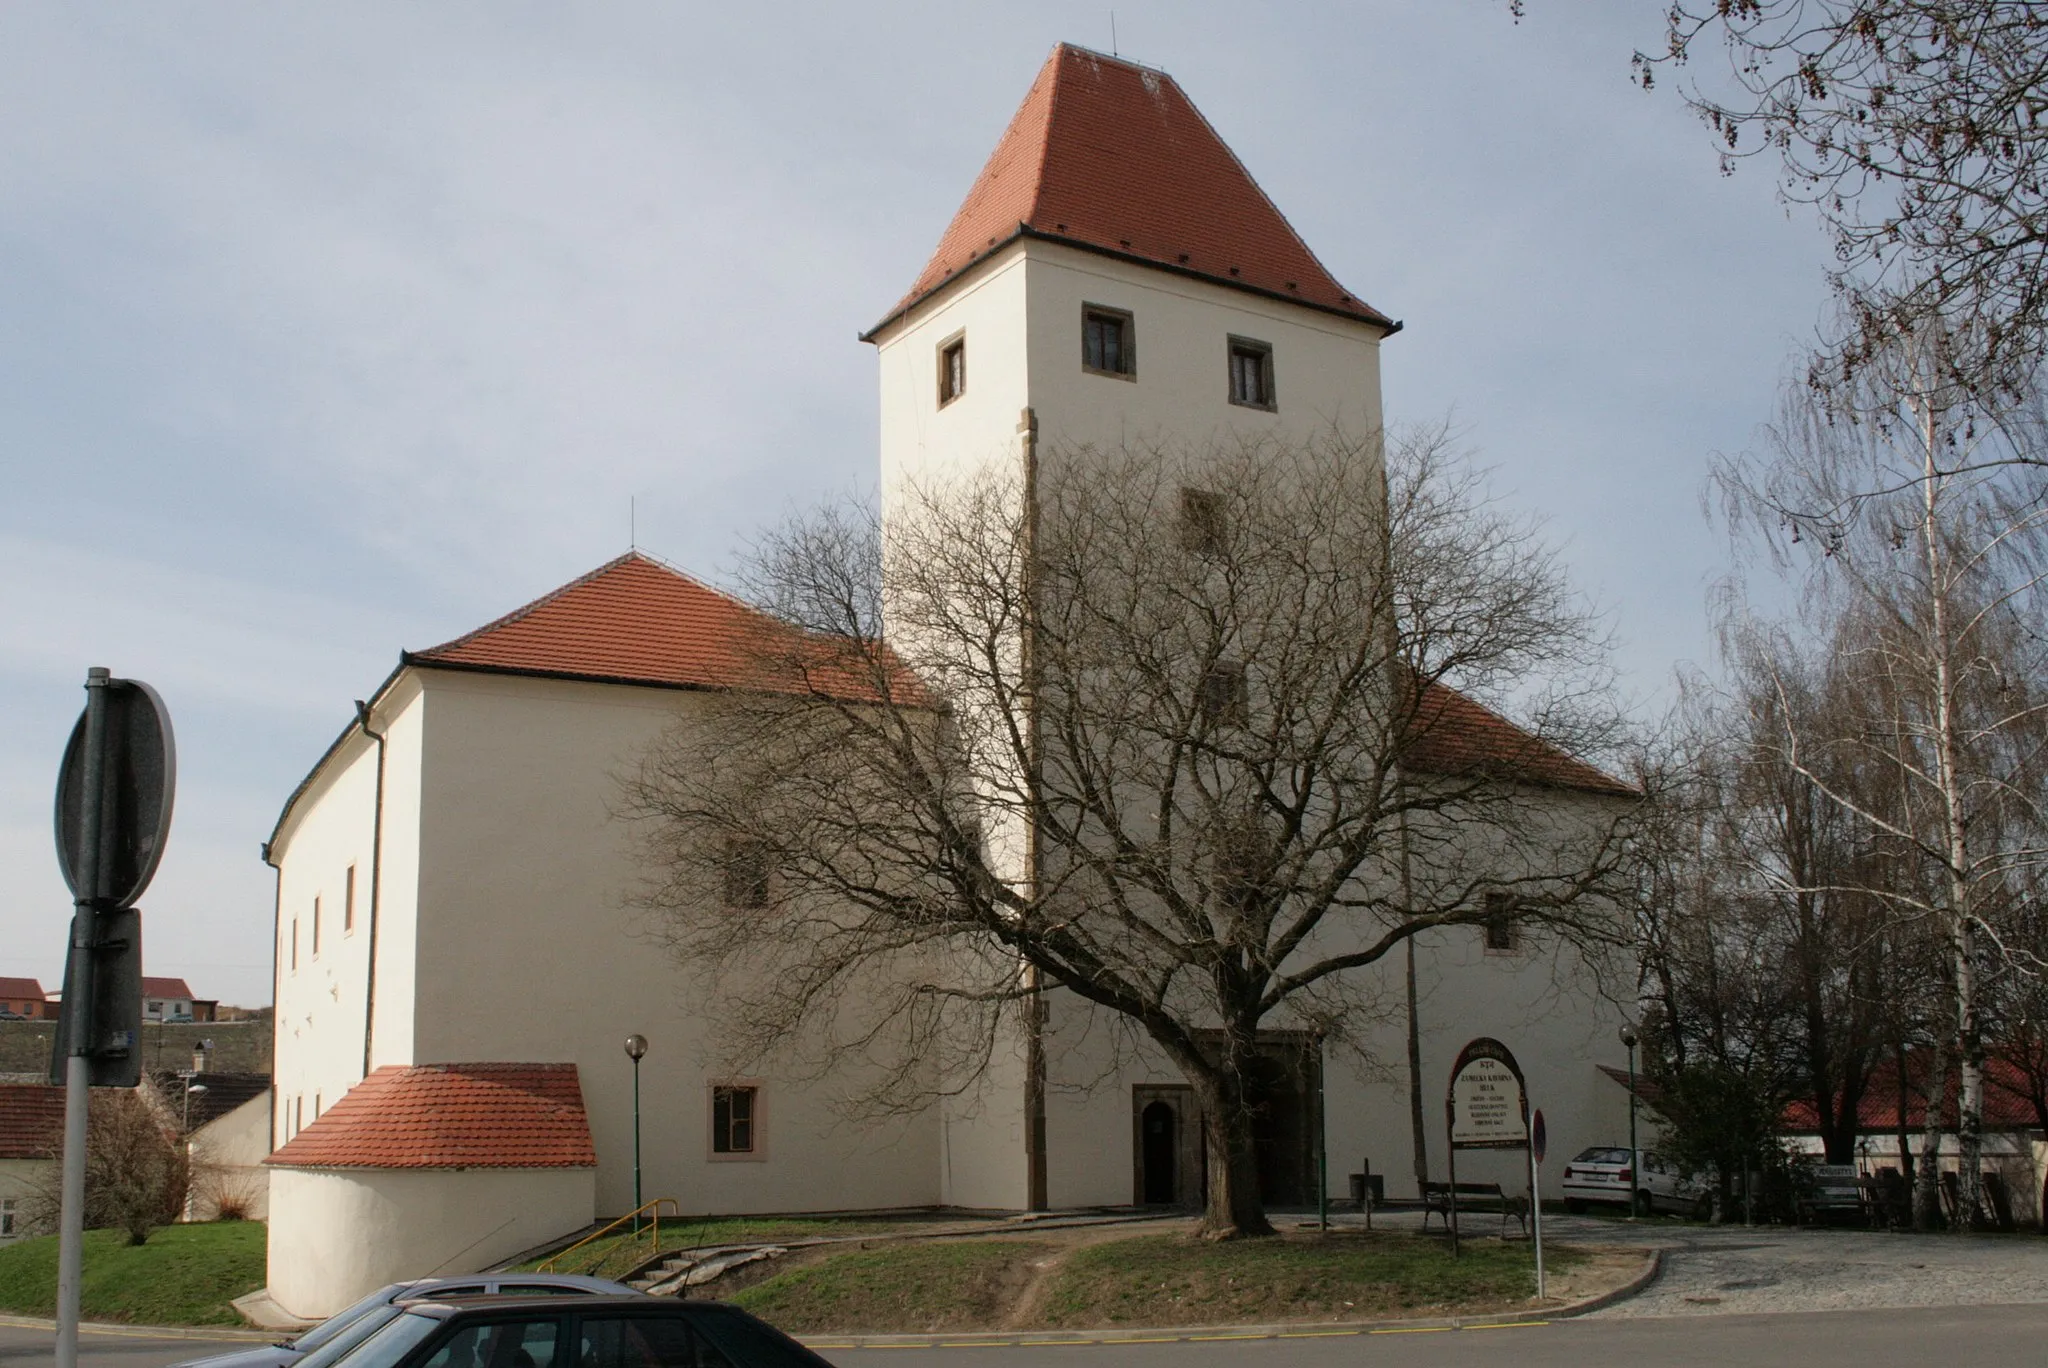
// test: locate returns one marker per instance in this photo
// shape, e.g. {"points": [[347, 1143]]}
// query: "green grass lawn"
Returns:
{"points": [[940, 1285], [185, 1275], [1176, 1280], [616, 1255]]}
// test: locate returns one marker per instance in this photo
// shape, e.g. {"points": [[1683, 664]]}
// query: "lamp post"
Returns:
{"points": [[1635, 1158], [636, 1046], [190, 1088]]}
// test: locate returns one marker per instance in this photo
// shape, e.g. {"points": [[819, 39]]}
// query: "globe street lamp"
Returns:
{"points": [[1635, 1158], [636, 1046]]}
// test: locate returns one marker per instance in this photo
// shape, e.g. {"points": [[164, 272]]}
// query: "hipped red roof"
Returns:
{"points": [[20, 989], [442, 1116], [2006, 1103], [1113, 157], [1452, 734], [165, 988], [32, 1120]]}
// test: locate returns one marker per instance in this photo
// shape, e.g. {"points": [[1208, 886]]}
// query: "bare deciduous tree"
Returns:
{"points": [[136, 1169], [1145, 727]]}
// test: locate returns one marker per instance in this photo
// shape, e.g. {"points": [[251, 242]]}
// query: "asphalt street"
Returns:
{"points": [[1958, 1336]]}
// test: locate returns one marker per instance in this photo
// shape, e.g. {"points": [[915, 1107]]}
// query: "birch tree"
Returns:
{"points": [[1145, 729]]}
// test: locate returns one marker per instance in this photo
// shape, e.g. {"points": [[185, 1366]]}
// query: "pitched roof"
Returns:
{"points": [[20, 989], [32, 1120], [212, 1095], [634, 620], [2007, 1105], [1452, 734], [1113, 157], [451, 1116], [165, 987]]}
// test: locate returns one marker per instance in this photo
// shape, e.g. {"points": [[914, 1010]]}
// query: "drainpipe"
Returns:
{"points": [[1034, 1013], [376, 880], [276, 982]]}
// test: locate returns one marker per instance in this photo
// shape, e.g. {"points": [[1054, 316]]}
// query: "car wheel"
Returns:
{"points": [[1643, 1206]]}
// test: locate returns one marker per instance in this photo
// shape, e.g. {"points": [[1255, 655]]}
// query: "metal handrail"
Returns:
{"points": [[652, 1208]]}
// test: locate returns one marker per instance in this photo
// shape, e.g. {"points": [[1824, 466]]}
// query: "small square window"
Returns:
{"points": [[1251, 373], [1225, 700], [1108, 342], [316, 926], [952, 369], [1503, 937], [1203, 527], [295, 944], [746, 869], [732, 1119]]}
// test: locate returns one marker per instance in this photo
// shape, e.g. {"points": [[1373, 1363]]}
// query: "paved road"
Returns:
{"points": [[107, 1349], [1826, 1339]]}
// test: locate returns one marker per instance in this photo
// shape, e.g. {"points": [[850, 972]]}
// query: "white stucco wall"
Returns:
{"points": [[338, 1234], [227, 1155], [19, 1178]]}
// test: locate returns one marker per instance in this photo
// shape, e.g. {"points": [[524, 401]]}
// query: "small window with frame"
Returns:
{"points": [[736, 1120], [6, 1216], [1251, 374], [1502, 936], [1204, 526], [1109, 344], [1225, 698], [348, 902], [952, 368]]}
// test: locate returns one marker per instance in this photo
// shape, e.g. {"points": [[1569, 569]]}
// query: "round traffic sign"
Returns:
{"points": [[138, 776], [1538, 1138]]}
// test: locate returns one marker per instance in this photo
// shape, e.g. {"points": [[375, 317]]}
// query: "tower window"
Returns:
{"points": [[1251, 373], [1503, 937], [1108, 342], [1225, 701], [732, 1118], [1202, 523], [952, 369]]}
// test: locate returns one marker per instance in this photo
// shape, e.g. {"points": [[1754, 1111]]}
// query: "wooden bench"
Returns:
{"points": [[1436, 1199]]}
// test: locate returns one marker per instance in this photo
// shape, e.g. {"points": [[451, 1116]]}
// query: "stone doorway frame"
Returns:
{"points": [[1190, 1178]]}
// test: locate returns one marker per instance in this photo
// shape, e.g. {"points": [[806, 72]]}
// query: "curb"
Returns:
{"points": [[1653, 1264], [223, 1334]]}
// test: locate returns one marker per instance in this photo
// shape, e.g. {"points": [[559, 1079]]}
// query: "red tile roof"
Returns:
{"points": [[20, 990], [1452, 734], [31, 1121], [451, 1116], [634, 620], [165, 988], [2007, 1106], [1113, 157]]}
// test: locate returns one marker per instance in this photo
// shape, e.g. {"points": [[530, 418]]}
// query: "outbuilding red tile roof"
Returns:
{"points": [[31, 1121], [165, 988], [2007, 1104], [20, 990], [1113, 157], [1452, 734], [634, 620], [451, 1116]]}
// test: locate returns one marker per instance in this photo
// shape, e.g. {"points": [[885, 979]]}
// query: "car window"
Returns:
{"points": [[646, 1342], [748, 1341], [1600, 1154], [528, 1342], [355, 1332], [392, 1341], [333, 1325]]}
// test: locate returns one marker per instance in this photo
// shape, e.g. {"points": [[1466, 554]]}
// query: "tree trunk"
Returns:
{"points": [[1234, 1209]]}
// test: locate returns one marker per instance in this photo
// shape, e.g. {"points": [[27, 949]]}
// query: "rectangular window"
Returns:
{"points": [[348, 902], [6, 1216], [747, 867], [295, 945], [732, 1119], [1225, 700], [952, 369], [298, 1113], [316, 926], [1503, 937], [1202, 524], [1251, 373], [1108, 342]]}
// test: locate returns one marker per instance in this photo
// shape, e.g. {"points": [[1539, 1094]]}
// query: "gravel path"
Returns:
{"points": [[1712, 1270]]}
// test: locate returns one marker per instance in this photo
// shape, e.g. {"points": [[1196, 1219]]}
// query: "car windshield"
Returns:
{"points": [[389, 1342], [336, 1323], [1601, 1155], [349, 1336]]}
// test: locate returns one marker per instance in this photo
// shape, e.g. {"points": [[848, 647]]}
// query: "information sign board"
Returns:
{"points": [[1487, 1107]]}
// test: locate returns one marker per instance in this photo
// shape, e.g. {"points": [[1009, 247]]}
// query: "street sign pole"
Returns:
{"points": [[78, 1020], [1536, 1144]]}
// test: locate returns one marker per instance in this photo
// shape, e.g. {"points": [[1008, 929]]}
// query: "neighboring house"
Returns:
{"points": [[31, 1141], [22, 997], [457, 958], [225, 1118], [169, 999]]}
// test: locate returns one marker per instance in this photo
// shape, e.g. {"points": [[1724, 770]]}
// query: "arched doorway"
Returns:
{"points": [[1159, 1131]]}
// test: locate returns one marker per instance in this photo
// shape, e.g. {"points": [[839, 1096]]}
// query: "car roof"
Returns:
{"points": [[441, 1308]]}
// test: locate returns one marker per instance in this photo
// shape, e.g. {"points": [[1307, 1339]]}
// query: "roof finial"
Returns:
{"points": [[1112, 33], [632, 523]]}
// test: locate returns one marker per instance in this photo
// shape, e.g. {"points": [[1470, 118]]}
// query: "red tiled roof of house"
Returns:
{"points": [[21, 990], [31, 1121], [634, 620], [1113, 157], [165, 988], [2007, 1105], [1452, 734], [451, 1116]]}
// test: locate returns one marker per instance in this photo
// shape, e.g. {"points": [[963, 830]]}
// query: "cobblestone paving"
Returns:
{"points": [[1735, 1269]]}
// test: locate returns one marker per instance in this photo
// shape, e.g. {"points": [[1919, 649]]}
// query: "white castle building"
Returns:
{"points": [[457, 958]]}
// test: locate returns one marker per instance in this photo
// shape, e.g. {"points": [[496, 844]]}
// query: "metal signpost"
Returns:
{"points": [[113, 813], [1486, 1107], [1539, 1140]]}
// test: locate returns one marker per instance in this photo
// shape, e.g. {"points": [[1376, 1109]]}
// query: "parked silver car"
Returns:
{"points": [[351, 1325], [1602, 1174]]}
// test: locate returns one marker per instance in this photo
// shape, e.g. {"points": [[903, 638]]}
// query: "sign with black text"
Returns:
{"points": [[1487, 1106]]}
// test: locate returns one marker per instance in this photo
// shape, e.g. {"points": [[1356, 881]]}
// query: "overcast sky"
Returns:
{"points": [[327, 331]]}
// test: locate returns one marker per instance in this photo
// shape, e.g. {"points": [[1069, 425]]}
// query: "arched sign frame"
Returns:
{"points": [[1487, 1055]]}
